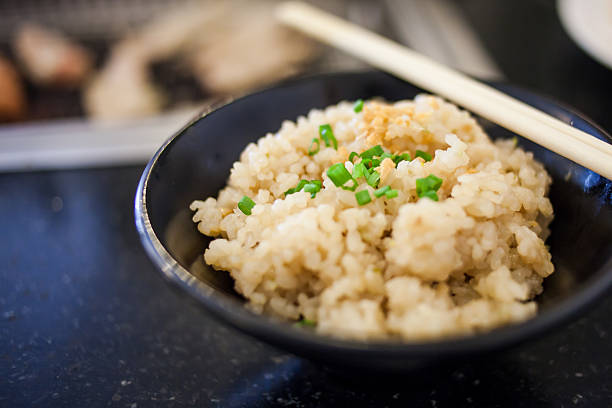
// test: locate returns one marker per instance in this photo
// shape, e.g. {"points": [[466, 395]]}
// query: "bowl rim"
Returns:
{"points": [[278, 332]]}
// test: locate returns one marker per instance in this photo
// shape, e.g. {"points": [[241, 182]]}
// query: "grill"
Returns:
{"points": [[87, 20], [97, 24]]}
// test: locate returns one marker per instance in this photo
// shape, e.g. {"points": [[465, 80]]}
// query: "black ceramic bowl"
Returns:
{"points": [[195, 164]]}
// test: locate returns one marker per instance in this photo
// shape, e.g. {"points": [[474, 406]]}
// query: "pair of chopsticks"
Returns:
{"points": [[484, 100]]}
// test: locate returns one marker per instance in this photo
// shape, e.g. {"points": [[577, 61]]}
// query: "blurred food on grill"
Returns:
{"points": [[229, 47], [50, 58], [12, 96], [126, 77], [247, 48], [131, 58], [123, 87]]}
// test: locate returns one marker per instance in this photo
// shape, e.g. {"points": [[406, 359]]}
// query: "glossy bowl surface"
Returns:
{"points": [[195, 164]]}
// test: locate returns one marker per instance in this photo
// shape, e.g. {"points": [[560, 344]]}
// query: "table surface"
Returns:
{"points": [[85, 319]]}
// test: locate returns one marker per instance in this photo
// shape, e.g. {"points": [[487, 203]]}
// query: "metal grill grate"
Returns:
{"points": [[83, 19], [97, 24]]}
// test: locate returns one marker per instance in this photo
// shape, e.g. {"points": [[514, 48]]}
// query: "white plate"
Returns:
{"points": [[589, 23]]}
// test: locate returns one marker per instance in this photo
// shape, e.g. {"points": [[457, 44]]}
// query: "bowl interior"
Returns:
{"points": [[196, 164]]}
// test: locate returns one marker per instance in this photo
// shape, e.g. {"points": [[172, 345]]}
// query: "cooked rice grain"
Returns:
{"points": [[405, 267]]}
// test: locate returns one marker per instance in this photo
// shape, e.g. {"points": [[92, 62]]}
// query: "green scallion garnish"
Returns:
{"points": [[427, 187], [424, 155], [309, 186], [358, 105], [374, 179], [352, 156], [338, 174], [401, 157], [246, 205], [327, 135], [313, 187], [381, 191], [352, 187], [374, 151], [386, 155], [432, 195], [306, 323], [360, 170], [314, 150], [297, 188], [391, 193], [363, 197]]}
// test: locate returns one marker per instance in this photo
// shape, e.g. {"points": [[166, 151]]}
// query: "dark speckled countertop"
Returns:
{"points": [[85, 320]]}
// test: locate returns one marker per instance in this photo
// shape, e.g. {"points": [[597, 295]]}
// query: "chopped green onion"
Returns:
{"points": [[374, 151], [300, 185], [391, 193], [367, 163], [427, 187], [246, 205], [360, 170], [339, 174], [429, 194], [374, 179], [424, 155], [327, 135], [350, 188], [375, 163], [313, 187], [352, 156], [381, 191], [305, 322], [431, 182], [312, 151], [363, 197], [358, 105], [401, 157], [386, 155]]}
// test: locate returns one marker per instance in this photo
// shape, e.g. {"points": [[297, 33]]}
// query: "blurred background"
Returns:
{"points": [[104, 82], [111, 59], [110, 80]]}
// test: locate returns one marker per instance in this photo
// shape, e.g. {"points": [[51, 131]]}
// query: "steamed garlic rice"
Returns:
{"points": [[384, 220]]}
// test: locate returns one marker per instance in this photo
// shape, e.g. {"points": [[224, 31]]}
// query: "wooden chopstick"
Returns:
{"points": [[482, 99]]}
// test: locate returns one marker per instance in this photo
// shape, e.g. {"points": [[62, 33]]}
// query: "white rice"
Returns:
{"points": [[398, 267]]}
